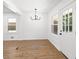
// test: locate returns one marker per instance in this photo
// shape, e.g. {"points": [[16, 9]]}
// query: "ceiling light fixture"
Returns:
{"points": [[35, 17]]}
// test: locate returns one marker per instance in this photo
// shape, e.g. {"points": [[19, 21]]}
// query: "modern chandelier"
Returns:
{"points": [[35, 17]]}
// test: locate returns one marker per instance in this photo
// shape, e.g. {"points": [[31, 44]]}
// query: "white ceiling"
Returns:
{"points": [[29, 5]]}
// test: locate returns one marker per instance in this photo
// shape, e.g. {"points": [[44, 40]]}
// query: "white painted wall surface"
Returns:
{"points": [[67, 41], [27, 28]]}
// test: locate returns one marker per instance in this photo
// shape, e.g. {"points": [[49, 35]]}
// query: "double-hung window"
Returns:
{"points": [[54, 25], [11, 24]]}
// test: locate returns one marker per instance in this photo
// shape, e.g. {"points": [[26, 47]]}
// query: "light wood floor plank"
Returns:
{"points": [[30, 49]]}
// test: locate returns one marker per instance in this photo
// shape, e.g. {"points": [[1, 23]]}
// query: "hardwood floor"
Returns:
{"points": [[30, 49]]}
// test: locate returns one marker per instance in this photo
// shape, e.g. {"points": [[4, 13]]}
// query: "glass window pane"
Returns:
{"points": [[66, 28], [55, 22], [66, 15], [67, 22], [12, 25], [11, 28], [70, 28], [63, 17], [70, 14], [55, 29], [70, 21], [64, 22], [63, 28], [66, 19]]}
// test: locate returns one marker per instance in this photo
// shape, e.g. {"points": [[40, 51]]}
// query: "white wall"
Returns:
{"points": [[27, 28], [67, 41]]}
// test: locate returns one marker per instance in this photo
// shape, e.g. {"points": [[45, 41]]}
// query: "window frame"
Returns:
{"points": [[65, 26], [54, 24]]}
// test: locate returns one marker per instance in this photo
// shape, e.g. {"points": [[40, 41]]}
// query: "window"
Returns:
{"points": [[54, 25], [12, 25], [67, 21]]}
